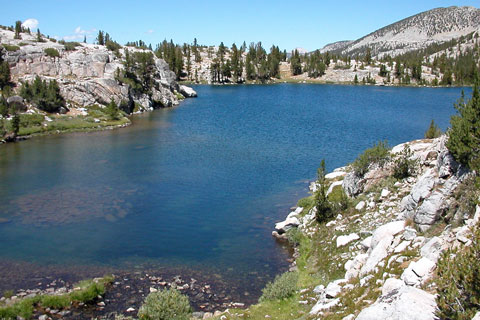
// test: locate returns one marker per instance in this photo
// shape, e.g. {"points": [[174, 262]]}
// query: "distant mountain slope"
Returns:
{"points": [[336, 46], [417, 32]]}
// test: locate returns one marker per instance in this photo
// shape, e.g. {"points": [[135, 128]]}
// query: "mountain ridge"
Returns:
{"points": [[415, 32]]}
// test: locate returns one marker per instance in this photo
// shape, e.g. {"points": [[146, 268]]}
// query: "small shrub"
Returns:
{"points": [[339, 199], [458, 281], [433, 131], [284, 286], [55, 302], [71, 46], [51, 52], [404, 165], [294, 236], [378, 154], [167, 304], [113, 46], [11, 48], [88, 292]]}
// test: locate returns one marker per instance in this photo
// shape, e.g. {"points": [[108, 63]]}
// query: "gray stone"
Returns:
{"points": [[323, 305], [360, 206], [352, 184], [332, 290], [284, 226], [405, 303], [390, 285], [423, 267], [430, 210], [16, 102], [187, 92], [432, 249], [409, 234], [344, 240], [446, 164]]}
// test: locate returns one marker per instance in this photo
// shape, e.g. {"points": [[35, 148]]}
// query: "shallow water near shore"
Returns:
{"points": [[198, 186]]}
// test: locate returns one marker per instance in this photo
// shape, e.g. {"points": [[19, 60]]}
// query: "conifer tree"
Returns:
{"points": [[464, 135], [18, 29]]}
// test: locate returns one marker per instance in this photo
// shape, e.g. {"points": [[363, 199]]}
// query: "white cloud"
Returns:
{"points": [[79, 33], [150, 31], [30, 23]]}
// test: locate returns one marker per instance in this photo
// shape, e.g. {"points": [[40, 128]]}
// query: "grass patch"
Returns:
{"points": [[306, 203], [11, 48], [88, 291], [286, 309], [69, 124]]}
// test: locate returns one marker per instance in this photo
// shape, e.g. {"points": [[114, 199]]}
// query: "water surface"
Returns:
{"points": [[199, 185]]}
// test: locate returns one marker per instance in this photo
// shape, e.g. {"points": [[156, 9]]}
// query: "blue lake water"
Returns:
{"points": [[200, 185]]}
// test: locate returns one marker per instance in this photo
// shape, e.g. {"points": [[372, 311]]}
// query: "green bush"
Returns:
{"points": [[51, 52], [404, 165], [113, 46], [11, 48], [167, 304], [458, 282], [294, 236], [464, 136], [433, 131], [71, 46], [284, 286], [88, 292], [378, 154]]}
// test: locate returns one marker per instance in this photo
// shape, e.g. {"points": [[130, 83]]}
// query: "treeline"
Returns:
{"points": [[314, 63], [454, 68]]}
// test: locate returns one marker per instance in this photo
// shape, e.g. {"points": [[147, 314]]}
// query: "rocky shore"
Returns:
{"points": [[123, 296], [389, 245], [88, 77]]}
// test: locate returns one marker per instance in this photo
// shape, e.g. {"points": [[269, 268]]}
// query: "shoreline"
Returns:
{"points": [[207, 291], [320, 82]]}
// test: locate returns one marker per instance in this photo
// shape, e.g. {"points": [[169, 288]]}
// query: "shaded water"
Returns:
{"points": [[200, 185]]}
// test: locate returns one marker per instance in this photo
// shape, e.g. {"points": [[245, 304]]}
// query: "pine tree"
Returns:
{"points": [[101, 38], [4, 73], [324, 209], [18, 29], [84, 39], [112, 110], [464, 135], [39, 36], [433, 131], [355, 80]]}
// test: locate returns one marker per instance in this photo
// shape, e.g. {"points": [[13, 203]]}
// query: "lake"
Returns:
{"points": [[199, 185]]}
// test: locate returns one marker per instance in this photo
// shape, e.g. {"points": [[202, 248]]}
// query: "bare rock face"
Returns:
{"points": [[86, 75], [403, 302]]}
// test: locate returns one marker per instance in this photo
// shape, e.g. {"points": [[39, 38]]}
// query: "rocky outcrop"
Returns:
{"points": [[381, 243], [87, 75], [401, 302]]}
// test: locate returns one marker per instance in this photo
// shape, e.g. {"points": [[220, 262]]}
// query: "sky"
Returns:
{"points": [[308, 24]]}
